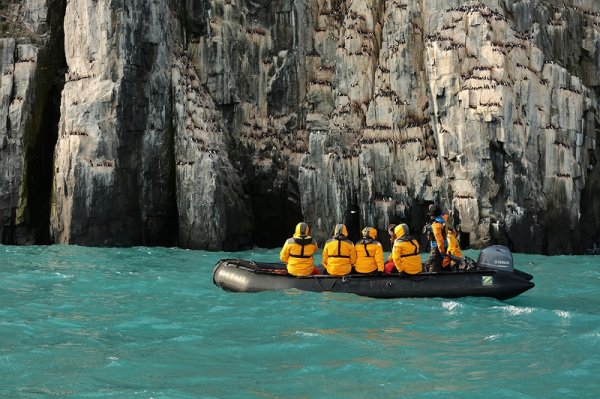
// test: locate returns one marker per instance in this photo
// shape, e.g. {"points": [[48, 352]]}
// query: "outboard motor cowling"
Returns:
{"points": [[497, 257]]}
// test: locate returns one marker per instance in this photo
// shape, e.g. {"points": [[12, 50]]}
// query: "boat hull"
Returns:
{"points": [[246, 276]]}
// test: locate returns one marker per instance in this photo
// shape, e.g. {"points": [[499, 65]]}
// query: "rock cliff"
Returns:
{"points": [[221, 124]]}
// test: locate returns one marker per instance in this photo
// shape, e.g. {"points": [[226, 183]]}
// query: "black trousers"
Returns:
{"points": [[434, 263]]}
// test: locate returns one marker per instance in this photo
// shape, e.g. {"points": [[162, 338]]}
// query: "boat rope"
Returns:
{"points": [[321, 286]]}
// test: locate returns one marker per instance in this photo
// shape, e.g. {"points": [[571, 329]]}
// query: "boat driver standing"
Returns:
{"points": [[437, 235]]}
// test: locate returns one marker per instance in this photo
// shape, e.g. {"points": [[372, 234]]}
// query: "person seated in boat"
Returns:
{"points": [[338, 253], [437, 235], [405, 253], [389, 264], [453, 250], [369, 253], [298, 251]]}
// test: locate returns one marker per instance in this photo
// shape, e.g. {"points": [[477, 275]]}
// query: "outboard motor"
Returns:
{"points": [[497, 257]]}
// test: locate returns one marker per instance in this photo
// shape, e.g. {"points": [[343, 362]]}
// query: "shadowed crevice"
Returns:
{"points": [[43, 134]]}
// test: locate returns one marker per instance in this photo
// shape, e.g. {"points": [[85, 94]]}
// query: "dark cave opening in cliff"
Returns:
{"points": [[275, 218], [418, 217], [44, 134], [40, 169], [352, 221]]}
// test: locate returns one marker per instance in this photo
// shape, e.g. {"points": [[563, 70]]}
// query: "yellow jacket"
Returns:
{"points": [[453, 245], [369, 252], [297, 252], [338, 253], [406, 253], [439, 236], [440, 233]]}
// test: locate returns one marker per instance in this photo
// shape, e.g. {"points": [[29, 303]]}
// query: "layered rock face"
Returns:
{"points": [[113, 177], [221, 124], [31, 78]]}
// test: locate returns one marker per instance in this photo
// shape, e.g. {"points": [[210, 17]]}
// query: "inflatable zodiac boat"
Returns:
{"points": [[494, 276]]}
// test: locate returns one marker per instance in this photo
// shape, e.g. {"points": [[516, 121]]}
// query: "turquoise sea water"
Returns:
{"points": [[80, 322]]}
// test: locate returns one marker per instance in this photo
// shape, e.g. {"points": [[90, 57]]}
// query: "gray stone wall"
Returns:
{"points": [[31, 79], [221, 124]]}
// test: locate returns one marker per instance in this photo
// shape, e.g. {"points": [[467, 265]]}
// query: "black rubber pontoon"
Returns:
{"points": [[496, 279]]}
